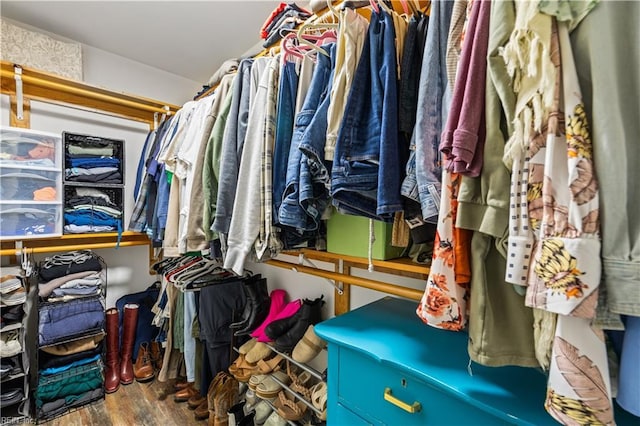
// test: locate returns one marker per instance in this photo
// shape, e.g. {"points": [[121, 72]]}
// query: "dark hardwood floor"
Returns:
{"points": [[137, 404]]}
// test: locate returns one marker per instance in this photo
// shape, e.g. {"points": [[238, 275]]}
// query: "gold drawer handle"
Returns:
{"points": [[413, 408]]}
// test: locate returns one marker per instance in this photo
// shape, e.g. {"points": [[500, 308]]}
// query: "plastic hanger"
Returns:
{"points": [[405, 7], [374, 5], [307, 26], [332, 9]]}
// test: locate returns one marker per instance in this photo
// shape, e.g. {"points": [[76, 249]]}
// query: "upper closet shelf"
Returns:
{"points": [[38, 85], [69, 242]]}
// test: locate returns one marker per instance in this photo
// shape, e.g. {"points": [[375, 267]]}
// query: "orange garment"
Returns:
{"points": [[45, 194]]}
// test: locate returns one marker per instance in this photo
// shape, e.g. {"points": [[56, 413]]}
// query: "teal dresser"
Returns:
{"points": [[387, 367]]}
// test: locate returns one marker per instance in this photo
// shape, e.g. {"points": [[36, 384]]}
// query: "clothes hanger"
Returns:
{"points": [[307, 26], [204, 268], [332, 9], [405, 7], [180, 266], [289, 48], [374, 5], [385, 7], [196, 265]]}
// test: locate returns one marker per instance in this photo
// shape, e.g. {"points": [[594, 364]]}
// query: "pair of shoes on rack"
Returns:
{"points": [[287, 332], [279, 310], [308, 347]]}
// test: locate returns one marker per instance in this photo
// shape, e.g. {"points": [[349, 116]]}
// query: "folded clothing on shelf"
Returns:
{"points": [[67, 320], [82, 279], [74, 381], [76, 363], [68, 263], [54, 355], [59, 406]]}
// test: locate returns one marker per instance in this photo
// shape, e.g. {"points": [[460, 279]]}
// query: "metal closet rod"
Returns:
{"points": [[396, 290], [52, 249]]}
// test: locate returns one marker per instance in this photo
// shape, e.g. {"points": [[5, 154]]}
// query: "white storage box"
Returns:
{"points": [[30, 220], [21, 148], [28, 184]]}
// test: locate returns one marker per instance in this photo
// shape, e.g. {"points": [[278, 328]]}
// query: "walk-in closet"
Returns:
{"points": [[320, 212]]}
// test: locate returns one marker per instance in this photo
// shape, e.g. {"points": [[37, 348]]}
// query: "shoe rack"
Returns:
{"points": [[15, 380], [320, 376], [58, 370]]}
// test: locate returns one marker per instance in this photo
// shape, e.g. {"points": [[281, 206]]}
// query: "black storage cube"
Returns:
{"points": [[84, 152]]}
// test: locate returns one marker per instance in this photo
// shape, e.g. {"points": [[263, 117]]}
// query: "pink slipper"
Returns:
{"points": [[289, 310], [277, 304]]}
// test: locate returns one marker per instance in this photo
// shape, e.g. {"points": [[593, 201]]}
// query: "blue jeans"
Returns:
{"points": [[315, 179], [284, 132], [424, 172], [291, 212], [68, 319], [366, 170]]}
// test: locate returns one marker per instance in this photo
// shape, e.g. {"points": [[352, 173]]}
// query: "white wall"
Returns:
{"points": [[128, 270], [128, 266]]}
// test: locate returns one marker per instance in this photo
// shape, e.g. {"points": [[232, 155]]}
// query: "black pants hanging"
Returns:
{"points": [[217, 307]]}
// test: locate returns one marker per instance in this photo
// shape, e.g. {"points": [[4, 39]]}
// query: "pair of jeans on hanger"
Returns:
{"points": [[365, 178]]}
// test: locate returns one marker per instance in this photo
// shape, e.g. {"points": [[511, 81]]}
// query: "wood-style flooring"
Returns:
{"points": [[137, 404]]}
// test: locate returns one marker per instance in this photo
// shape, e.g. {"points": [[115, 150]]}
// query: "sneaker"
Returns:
{"points": [[9, 344], [16, 297]]}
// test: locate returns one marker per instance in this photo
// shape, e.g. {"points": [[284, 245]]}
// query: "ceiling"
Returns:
{"points": [[187, 38]]}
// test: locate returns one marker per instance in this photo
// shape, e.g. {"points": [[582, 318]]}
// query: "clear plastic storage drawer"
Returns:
{"points": [[27, 184], [30, 148], [30, 220]]}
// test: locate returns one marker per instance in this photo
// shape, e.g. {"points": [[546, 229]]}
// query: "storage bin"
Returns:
{"points": [[349, 235], [74, 193], [30, 220], [30, 184], [84, 152], [30, 148]]}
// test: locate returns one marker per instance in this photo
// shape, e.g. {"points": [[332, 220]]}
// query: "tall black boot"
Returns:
{"points": [[260, 302], [246, 312]]}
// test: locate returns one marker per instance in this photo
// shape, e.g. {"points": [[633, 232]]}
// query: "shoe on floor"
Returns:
{"points": [[186, 393]]}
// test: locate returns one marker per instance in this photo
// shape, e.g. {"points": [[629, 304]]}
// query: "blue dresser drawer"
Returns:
{"points": [[385, 345], [344, 417], [363, 382]]}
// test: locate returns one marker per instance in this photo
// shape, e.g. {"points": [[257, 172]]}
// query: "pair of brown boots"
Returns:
{"points": [[223, 393]]}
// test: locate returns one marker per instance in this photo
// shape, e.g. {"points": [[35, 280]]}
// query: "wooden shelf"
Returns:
{"points": [[46, 87], [70, 242], [343, 277]]}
